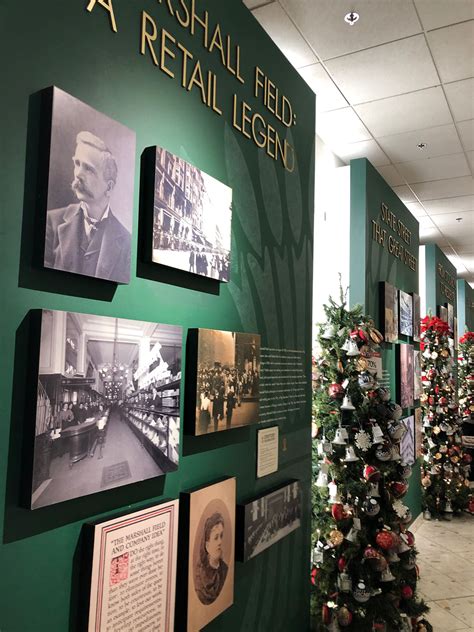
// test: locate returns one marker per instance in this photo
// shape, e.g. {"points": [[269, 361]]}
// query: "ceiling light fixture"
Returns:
{"points": [[351, 18], [422, 146], [459, 219]]}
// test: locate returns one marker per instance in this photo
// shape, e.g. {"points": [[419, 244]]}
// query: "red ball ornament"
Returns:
{"points": [[314, 574], [443, 401], [337, 512], [407, 592], [467, 458], [335, 391], [371, 473], [410, 538], [341, 564], [384, 540], [399, 489], [470, 505]]}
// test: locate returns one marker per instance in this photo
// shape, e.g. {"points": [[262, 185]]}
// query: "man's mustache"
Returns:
{"points": [[78, 185]]}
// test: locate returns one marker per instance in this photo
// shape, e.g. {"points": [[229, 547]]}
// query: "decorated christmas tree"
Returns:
{"points": [[363, 560], [466, 396], [446, 488]]}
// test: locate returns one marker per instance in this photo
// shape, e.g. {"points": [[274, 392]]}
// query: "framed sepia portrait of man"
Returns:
{"points": [[89, 207], [209, 548]]}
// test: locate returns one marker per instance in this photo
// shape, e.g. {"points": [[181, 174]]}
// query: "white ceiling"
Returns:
{"points": [[402, 75]]}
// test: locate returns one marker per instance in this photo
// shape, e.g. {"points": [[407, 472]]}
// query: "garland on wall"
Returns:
{"points": [[363, 559], [445, 486], [466, 397]]}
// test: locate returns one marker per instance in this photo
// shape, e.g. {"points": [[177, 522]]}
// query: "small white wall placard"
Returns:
{"points": [[267, 451]]}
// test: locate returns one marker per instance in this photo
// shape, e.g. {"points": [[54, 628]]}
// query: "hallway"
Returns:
{"points": [[124, 460], [446, 558]]}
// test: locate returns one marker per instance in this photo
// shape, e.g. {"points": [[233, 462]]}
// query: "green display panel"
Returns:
{"points": [[384, 248], [440, 280], [465, 307], [251, 129]]}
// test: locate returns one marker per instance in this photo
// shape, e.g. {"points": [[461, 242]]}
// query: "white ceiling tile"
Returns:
{"points": [[328, 95], [453, 51], [285, 35], [436, 13], [405, 194], [466, 131], [340, 126], [425, 221], [450, 205], [460, 95], [434, 168], [406, 112], [390, 175], [449, 221], [432, 236], [450, 187], [470, 158], [416, 209], [322, 23], [439, 140], [381, 72], [365, 149]]}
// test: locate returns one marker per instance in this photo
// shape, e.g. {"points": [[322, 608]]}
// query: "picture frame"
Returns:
{"points": [[443, 313], [207, 542], [416, 317], [134, 554], [417, 383], [268, 518], [223, 377], [407, 443], [108, 404], [450, 316], [418, 415], [191, 219], [90, 191], [405, 375], [389, 311], [405, 322]]}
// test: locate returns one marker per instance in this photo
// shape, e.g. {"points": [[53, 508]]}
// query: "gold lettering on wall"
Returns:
{"points": [[177, 62], [395, 244], [108, 6]]}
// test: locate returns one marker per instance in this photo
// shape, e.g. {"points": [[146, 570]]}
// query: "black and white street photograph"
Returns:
{"points": [[407, 443], [192, 216], [228, 380], [90, 192], [107, 411], [270, 518], [406, 313]]}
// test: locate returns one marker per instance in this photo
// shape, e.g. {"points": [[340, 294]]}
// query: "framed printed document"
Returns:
{"points": [[133, 578]]}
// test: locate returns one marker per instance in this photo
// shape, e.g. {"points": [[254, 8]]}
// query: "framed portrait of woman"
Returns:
{"points": [[208, 537]]}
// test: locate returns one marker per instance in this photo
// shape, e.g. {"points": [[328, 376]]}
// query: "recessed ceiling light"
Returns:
{"points": [[422, 146], [459, 219], [351, 18]]}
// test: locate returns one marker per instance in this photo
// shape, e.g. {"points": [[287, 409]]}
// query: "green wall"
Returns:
{"points": [[371, 263], [465, 307], [61, 43]]}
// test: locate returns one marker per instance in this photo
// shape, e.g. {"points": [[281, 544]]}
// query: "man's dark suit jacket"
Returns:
{"points": [[106, 256]]}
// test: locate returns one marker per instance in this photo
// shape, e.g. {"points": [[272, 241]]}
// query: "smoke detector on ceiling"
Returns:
{"points": [[351, 18]]}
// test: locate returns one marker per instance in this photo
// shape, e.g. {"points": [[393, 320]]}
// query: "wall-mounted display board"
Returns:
{"points": [[192, 216], [384, 264], [407, 443], [405, 321], [90, 192], [265, 520], [107, 410], [224, 374], [222, 97], [133, 576], [206, 583]]}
